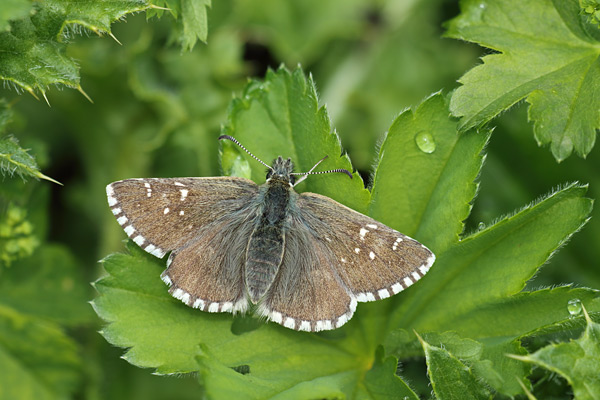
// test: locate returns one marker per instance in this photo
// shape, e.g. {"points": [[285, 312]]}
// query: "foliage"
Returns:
{"points": [[547, 56], [162, 95], [576, 361]]}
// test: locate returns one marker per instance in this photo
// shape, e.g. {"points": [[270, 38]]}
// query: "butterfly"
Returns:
{"points": [[303, 260]]}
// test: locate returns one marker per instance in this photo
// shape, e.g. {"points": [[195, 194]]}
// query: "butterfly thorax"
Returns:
{"points": [[267, 242]]}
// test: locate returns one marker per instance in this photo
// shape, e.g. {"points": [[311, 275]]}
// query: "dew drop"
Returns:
{"points": [[481, 226], [574, 307], [425, 142]]}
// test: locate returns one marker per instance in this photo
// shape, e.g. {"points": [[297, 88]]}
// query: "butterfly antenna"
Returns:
{"points": [[305, 174], [234, 140]]}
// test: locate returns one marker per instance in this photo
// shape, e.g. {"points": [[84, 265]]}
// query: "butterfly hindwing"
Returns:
{"points": [[373, 260], [208, 273], [162, 214], [307, 294]]}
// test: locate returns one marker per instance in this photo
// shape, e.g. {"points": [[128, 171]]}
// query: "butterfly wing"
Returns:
{"points": [[373, 260], [161, 215], [334, 257], [307, 294], [204, 222], [208, 273]]}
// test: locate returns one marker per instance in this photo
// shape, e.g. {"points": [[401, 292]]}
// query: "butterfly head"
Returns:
{"points": [[281, 170]]}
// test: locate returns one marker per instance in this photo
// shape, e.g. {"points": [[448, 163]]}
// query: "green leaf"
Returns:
{"points": [[578, 361], [37, 360], [48, 285], [281, 117], [17, 239], [546, 311], [468, 290], [34, 49], [496, 262], [381, 381], [432, 189], [15, 160], [546, 57], [470, 352], [450, 377], [191, 20]]}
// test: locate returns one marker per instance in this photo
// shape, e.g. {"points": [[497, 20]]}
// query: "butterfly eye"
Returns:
{"points": [[269, 173]]}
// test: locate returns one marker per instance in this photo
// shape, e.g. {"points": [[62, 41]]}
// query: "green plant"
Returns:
{"points": [[485, 322]]}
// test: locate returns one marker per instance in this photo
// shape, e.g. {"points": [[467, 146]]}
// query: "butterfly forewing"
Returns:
{"points": [[161, 215], [373, 260]]}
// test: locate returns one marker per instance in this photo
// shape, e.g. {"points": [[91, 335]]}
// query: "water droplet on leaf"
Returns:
{"points": [[425, 142], [574, 307]]}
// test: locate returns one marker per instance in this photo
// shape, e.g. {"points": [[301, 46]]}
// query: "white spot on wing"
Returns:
{"points": [[213, 307], [179, 184], [357, 250], [199, 303], [305, 326], [407, 281], [372, 255], [166, 279], [353, 304], [129, 230], [372, 226], [363, 232], [227, 307], [240, 306], [186, 298], [396, 287], [116, 211], [364, 297], [184, 193], [166, 211], [430, 260], [416, 276], [290, 323], [139, 239], [276, 317], [383, 293], [181, 212], [155, 251], [395, 246], [122, 220], [341, 320], [110, 194]]}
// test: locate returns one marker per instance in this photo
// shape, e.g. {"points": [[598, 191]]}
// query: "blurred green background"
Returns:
{"points": [[157, 112]]}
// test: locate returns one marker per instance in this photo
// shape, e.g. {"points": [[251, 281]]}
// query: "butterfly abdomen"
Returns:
{"points": [[267, 242]]}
